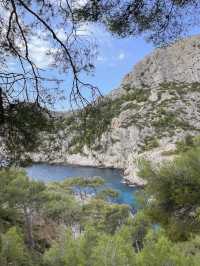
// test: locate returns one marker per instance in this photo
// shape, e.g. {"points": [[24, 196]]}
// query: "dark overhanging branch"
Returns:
{"points": [[77, 83], [30, 80], [76, 94]]}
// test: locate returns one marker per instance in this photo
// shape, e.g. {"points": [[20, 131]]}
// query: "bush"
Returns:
{"points": [[169, 120], [174, 190], [187, 143], [13, 250], [140, 95], [150, 143]]}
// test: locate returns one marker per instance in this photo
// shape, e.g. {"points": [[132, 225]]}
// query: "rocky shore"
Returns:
{"points": [[156, 106], [78, 160]]}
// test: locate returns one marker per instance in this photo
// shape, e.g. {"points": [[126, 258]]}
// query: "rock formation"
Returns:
{"points": [[157, 104]]}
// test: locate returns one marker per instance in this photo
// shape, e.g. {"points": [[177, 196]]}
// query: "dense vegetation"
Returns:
{"points": [[90, 123], [23, 127], [164, 116], [57, 224]]}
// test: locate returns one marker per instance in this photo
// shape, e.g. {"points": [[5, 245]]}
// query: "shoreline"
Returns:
{"points": [[126, 180]]}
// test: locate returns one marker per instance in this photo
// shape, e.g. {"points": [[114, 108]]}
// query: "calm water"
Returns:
{"points": [[112, 177]]}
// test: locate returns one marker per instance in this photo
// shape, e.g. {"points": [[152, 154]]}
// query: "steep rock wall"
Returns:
{"points": [[160, 105]]}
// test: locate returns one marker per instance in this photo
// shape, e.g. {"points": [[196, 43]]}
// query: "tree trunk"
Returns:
{"points": [[1, 107], [29, 227]]}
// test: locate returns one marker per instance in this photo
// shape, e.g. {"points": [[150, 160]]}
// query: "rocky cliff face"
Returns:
{"points": [[157, 104], [179, 62]]}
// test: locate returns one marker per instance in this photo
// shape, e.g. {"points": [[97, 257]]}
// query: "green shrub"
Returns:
{"points": [[150, 143], [140, 95], [13, 250], [174, 190], [185, 144], [169, 153], [169, 120]]}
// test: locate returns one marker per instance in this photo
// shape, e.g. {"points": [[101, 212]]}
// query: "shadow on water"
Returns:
{"points": [[112, 177]]}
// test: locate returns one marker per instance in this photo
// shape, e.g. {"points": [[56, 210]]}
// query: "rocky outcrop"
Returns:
{"points": [[179, 63], [157, 104]]}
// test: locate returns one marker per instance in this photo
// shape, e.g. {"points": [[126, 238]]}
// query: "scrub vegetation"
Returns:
{"points": [[60, 224]]}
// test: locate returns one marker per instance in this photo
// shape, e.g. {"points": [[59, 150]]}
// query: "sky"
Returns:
{"points": [[116, 58]]}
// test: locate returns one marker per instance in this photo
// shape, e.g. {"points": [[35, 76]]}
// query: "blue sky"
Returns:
{"points": [[116, 57]]}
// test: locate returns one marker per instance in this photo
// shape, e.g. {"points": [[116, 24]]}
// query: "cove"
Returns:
{"points": [[55, 172]]}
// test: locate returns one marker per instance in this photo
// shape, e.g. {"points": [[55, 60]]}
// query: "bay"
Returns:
{"points": [[113, 177]]}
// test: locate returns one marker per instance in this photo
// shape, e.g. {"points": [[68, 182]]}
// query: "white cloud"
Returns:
{"points": [[97, 32], [80, 3], [38, 46], [39, 51], [101, 58], [4, 12], [84, 29], [62, 35], [121, 56], [74, 3]]}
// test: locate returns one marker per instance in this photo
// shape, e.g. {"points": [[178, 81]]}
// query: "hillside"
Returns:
{"points": [[157, 104]]}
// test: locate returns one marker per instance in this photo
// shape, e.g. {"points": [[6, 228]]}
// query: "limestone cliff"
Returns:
{"points": [[179, 63], [157, 104]]}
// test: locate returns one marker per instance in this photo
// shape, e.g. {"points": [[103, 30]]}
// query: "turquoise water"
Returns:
{"points": [[112, 177]]}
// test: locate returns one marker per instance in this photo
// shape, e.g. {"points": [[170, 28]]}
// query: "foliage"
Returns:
{"points": [[113, 250], [22, 196], [98, 232], [173, 190], [84, 185], [161, 22], [94, 249], [159, 250], [187, 143], [169, 120], [139, 95], [150, 143], [180, 87], [60, 204], [104, 216], [137, 230], [108, 194], [13, 250], [184, 145], [90, 123], [65, 252], [23, 127], [105, 234]]}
